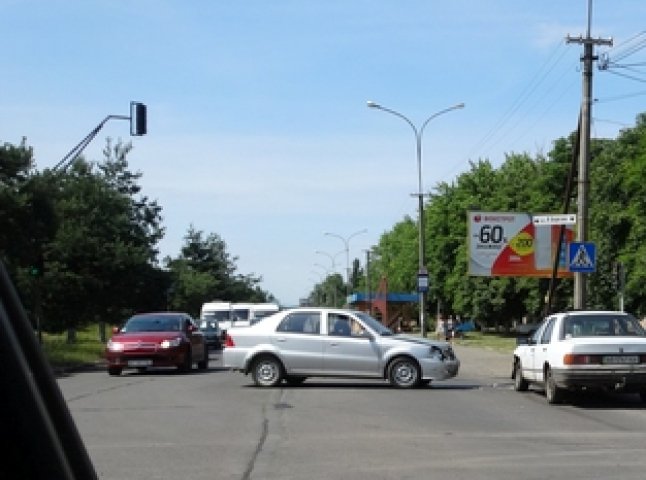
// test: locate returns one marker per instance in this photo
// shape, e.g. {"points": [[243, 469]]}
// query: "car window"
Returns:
{"points": [[534, 339], [219, 315], [344, 326], [209, 326], [601, 326], [374, 324], [301, 322], [547, 331], [240, 314], [152, 323]]}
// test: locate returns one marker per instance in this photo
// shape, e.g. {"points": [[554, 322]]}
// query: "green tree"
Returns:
{"points": [[205, 271], [101, 262]]}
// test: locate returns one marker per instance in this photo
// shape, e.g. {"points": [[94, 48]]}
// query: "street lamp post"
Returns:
{"points": [[331, 257], [331, 269], [346, 245], [422, 284]]}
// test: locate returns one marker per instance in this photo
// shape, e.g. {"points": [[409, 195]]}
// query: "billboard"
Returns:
{"points": [[513, 245]]}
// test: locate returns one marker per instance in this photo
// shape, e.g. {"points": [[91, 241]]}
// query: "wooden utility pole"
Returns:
{"points": [[580, 293]]}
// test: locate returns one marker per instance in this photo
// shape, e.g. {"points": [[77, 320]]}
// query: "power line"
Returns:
{"points": [[620, 97], [548, 66]]}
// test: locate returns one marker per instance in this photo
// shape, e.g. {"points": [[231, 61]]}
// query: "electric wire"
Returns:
{"points": [[544, 71]]}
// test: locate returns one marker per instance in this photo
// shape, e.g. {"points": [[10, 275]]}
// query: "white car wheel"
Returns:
{"points": [[553, 393], [520, 384]]}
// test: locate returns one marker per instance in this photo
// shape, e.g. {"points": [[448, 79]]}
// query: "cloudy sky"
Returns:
{"points": [[258, 124]]}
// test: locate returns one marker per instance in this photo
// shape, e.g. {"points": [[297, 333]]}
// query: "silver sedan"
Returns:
{"points": [[321, 342]]}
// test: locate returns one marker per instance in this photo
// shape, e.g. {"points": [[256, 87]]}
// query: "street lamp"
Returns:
{"points": [[346, 244], [422, 274], [328, 274], [331, 257]]}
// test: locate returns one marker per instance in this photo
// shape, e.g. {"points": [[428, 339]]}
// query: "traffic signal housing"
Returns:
{"points": [[138, 119]]}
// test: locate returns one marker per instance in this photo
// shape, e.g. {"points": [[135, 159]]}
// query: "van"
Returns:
{"points": [[262, 310], [229, 314]]}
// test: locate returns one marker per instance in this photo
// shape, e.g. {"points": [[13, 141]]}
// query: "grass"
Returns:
{"points": [[87, 349], [494, 341]]}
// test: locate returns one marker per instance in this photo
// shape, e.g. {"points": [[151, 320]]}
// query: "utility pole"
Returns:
{"points": [[580, 292], [368, 292]]}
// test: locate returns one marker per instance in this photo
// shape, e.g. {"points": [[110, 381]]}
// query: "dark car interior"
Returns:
{"points": [[41, 440]]}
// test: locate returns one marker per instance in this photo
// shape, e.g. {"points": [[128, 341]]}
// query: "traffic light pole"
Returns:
{"points": [[138, 127]]}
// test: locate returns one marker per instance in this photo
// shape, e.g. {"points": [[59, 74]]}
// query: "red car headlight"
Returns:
{"points": [[115, 346]]}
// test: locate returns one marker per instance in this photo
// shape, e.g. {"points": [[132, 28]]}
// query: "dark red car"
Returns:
{"points": [[164, 339]]}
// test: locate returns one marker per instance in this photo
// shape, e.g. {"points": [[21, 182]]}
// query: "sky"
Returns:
{"points": [[258, 125]]}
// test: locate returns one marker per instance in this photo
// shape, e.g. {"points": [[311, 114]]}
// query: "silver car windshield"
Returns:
{"points": [[374, 324]]}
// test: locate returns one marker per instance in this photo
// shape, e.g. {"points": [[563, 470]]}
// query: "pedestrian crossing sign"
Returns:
{"points": [[582, 257]]}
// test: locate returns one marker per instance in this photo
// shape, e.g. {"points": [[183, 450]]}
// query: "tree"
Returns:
{"points": [[100, 264], [205, 271]]}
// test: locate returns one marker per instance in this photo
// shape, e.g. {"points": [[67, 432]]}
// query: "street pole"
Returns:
{"points": [[422, 272], [368, 292], [346, 245], [580, 290]]}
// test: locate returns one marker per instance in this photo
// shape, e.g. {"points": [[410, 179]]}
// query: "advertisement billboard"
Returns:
{"points": [[513, 245]]}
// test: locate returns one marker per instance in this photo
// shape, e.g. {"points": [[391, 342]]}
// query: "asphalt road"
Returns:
{"points": [[215, 425]]}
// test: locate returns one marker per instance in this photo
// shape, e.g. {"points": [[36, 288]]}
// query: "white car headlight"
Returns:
{"points": [[115, 346], [175, 342]]}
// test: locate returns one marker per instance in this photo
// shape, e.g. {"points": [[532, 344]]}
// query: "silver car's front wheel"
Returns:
{"points": [[404, 373], [267, 371]]}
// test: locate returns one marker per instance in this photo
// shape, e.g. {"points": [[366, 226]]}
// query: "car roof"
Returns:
{"points": [[164, 313], [593, 312]]}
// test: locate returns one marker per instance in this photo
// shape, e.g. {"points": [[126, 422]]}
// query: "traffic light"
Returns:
{"points": [[138, 120]]}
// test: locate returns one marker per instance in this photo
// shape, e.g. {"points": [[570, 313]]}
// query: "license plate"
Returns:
{"points": [[620, 359], [140, 363]]}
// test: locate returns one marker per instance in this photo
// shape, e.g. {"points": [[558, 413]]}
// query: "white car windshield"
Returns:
{"points": [[605, 325]]}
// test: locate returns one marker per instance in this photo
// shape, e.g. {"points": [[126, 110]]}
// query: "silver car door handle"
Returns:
{"points": [[334, 344], [281, 339]]}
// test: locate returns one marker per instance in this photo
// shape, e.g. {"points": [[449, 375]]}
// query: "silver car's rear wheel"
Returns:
{"points": [[404, 373], [267, 371]]}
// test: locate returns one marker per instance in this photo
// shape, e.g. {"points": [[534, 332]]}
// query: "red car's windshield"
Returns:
{"points": [[153, 323]]}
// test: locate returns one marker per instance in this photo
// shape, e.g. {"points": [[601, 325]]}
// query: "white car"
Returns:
{"points": [[320, 342], [580, 350]]}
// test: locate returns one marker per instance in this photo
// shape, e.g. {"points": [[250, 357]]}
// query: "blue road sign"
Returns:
{"points": [[582, 257]]}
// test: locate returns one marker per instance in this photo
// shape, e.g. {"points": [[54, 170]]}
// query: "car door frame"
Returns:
{"points": [[353, 355], [542, 347], [527, 352], [301, 352]]}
